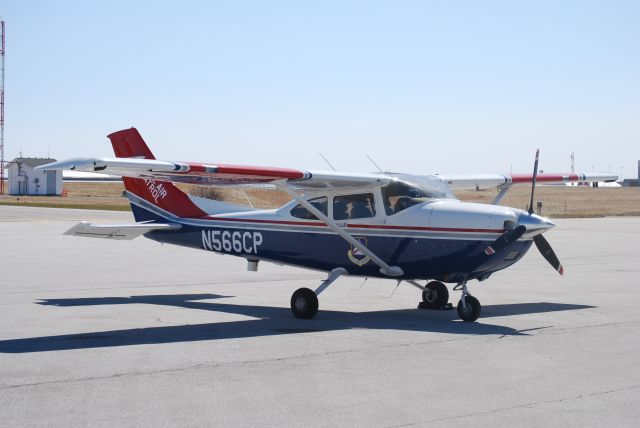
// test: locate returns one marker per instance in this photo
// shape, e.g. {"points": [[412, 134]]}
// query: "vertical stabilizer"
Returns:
{"points": [[128, 143]]}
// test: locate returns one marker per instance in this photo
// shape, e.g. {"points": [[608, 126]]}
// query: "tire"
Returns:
{"points": [[304, 303], [472, 312], [435, 295]]}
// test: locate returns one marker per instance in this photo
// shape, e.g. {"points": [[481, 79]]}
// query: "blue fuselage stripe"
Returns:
{"points": [[420, 255]]}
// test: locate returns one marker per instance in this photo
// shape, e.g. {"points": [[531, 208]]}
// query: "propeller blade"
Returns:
{"points": [[505, 239], [533, 182], [547, 253]]}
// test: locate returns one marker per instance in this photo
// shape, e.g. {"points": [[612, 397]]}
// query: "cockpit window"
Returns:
{"points": [[301, 212], [354, 206], [406, 190], [399, 195]]}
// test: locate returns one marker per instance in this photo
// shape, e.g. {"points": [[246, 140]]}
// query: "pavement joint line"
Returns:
{"points": [[245, 362], [522, 406], [582, 327], [381, 346]]}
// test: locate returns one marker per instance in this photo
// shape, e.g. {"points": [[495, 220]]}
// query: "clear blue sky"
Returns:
{"points": [[422, 87]]}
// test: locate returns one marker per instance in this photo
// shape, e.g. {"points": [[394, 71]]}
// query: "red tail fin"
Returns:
{"points": [[128, 143]]}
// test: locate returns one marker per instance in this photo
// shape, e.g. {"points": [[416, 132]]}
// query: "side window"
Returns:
{"points": [[398, 196], [301, 212], [354, 206]]}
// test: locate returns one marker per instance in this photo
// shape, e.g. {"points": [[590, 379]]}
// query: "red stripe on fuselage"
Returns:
{"points": [[350, 225]]}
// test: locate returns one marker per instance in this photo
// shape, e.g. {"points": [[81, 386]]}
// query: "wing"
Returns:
{"points": [[471, 181], [217, 174], [117, 231]]}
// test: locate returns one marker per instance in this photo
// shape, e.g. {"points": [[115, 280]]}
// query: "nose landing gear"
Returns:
{"points": [[468, 307]]}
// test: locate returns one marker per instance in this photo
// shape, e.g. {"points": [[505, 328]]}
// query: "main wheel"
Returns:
{"points": [[472, 310], [304, 303], [435, 295]]}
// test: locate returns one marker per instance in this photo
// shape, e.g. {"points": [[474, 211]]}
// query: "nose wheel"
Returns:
{"points": [[469, 307], [469, 311]]}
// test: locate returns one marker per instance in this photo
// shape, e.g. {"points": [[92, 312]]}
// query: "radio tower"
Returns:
{"points": [[573, 160], [2, 115]]}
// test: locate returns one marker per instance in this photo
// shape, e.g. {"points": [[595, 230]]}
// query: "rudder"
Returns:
{"points": [[128, 143]]}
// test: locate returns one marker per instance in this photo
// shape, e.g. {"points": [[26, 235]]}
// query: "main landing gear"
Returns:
{"points": [[304, 301], [434, 296]]}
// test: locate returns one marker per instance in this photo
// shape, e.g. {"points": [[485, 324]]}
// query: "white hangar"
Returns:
{"points": [[25, 180]]}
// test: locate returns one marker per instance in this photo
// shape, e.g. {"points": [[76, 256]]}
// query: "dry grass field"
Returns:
{"points": [[565, 201], [99, 196], [557, 201]]}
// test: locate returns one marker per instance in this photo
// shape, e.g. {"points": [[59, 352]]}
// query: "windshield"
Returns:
{"points": [[408, 190]]}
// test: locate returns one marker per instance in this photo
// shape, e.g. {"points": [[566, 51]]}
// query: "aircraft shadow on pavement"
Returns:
{"points": [[266, 321]]}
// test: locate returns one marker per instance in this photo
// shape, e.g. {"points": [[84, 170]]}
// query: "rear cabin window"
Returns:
{"points": [[349, 207], [301, 212]]}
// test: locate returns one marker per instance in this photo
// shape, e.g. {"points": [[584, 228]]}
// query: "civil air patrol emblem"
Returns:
{"points": [[356, 256]]}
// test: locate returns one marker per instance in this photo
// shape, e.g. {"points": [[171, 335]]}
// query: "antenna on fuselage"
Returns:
{"points": [[374, 163], [327, 161]]}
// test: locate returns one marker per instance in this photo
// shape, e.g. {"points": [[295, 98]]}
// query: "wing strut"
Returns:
{"points": [[503, 189], [333, 275], [384, 268]]}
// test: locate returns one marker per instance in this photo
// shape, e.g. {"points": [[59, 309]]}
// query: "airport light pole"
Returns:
{"points": [[2, 45]]}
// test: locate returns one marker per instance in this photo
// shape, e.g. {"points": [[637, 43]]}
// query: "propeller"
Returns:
{"points": [[547, 252], [541, 243], [533, 182], [514, 234]]}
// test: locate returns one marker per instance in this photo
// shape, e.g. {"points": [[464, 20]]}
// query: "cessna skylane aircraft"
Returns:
{"points": [[398, 226]]}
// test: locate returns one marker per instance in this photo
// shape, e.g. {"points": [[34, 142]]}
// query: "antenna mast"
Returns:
{"points": [[2, 115], [375, 164]]}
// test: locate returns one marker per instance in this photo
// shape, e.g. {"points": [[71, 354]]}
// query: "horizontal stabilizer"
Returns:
{"points": [[117, 231]]}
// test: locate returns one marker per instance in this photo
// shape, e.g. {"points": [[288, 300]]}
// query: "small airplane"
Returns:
{"points": [[385, 225]]}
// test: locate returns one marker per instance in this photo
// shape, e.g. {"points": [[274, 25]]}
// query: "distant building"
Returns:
{"points": [[25, 180], [632, 182]]}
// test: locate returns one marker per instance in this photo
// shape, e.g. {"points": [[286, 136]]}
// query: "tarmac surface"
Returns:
{"points": [[133, 333]]}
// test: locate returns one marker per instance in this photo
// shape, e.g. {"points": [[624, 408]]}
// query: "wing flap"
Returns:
{"points": [[117, 231]]}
